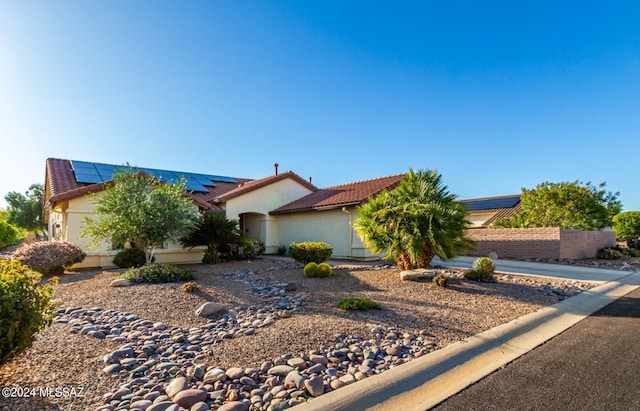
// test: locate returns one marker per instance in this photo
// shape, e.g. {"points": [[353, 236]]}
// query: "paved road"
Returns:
{"points": [[595, 365], [548, 270]]}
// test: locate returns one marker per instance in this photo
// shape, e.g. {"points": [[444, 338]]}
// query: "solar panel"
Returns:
{"points": [[195, 186], [88, 178], [491, 203], [222, 179], [202, 179], [81, 164], [91, 173]]}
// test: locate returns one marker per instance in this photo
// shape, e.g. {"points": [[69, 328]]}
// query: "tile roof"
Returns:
{"points": [[252, 185], [511, 206], [341, 195], [61, 185]]}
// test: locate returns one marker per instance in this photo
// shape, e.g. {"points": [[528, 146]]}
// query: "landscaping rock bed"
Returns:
{"points": [[280, 341]]}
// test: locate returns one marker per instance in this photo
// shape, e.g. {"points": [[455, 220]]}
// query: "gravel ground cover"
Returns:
{"points": [[274, 317]]}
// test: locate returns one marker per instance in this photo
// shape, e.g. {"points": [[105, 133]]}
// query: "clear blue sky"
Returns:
{"points": [[495, 95]]}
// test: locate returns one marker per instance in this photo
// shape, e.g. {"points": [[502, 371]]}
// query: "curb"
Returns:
{"points": [[427, 381]]}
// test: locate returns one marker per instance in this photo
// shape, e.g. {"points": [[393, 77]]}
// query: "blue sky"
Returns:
{"points": [[495, 95]]}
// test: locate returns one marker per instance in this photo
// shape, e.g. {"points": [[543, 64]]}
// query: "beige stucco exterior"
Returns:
{"points": [[252, 210], [479, 219], [331, 226]]}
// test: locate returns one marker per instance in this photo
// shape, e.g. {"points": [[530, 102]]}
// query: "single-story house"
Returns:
{"points": [[278, 209]]}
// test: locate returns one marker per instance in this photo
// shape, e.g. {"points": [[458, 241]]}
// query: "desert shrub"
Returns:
{"points": [[481, 276], [156, 273], [360, 304], [323, 270], [441, 280], [26, 307], [484, 264], [49, 257], [130, 257], [248, 249], [610, 253], [310, 270], [632, 252], [9, 234], [190, 287], [310, 251], [209, 257]]}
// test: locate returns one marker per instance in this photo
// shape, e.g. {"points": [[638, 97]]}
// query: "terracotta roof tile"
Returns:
{"points": [[341, 195], [252, 185]]}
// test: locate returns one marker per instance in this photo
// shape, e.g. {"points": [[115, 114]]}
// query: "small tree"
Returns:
{"points": [[213, 230], [417, 221], [138, 208], [25, 210], [574, 205], [627, 227], [9, 234]]}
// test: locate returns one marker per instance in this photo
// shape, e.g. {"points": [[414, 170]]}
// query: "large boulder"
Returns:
{"points": [[417, 274]]}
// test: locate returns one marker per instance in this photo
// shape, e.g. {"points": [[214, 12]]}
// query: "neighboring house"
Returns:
{"points": [[483, 212], [278, 210]]}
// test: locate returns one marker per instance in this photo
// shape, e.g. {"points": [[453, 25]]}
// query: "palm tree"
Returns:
{"points": [[415, 222], [213, 231]]}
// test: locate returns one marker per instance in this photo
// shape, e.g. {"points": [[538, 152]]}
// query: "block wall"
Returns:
{"points": [[551, 242]]}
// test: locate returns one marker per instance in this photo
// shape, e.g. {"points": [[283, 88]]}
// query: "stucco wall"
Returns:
{"points": [[331, 226], [265, 199], [551, 242]]}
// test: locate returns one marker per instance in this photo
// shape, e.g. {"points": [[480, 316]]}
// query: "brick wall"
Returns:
{"points": [[551, 242]]}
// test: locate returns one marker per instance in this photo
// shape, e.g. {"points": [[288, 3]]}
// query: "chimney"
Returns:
{"points": [[310, 180], [276, 167]]}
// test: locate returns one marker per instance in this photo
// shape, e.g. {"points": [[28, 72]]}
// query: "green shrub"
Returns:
{"points": [[310, 270], [9, 234], [49, 257], [632, 252], [360, 304], [130, 257], [156, 273], [26, 307], [610, 253], [282, 250], [310, 251], [484, 264], [481, 276], [323, 270], [441, 280], [249, 249], [209, 257]]}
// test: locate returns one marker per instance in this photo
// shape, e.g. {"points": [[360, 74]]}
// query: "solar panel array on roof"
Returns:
{"points": [[93, 173], [491, 203]]}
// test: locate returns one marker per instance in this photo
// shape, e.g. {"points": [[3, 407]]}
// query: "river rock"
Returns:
{"points": [[120, 282], [176, 385], [234, 406], [188, 398], [209, 308], [315, 386]]}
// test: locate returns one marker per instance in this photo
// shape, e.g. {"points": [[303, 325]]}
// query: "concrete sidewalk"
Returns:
{"points": [[429, 380], [571, 272]]}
